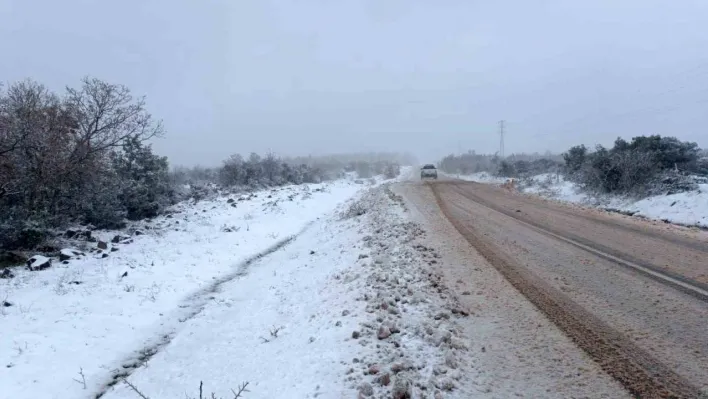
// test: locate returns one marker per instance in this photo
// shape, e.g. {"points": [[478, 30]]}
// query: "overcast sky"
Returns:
{"points": [[426, 76]]}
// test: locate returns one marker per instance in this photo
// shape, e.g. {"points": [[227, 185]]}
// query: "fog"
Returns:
{"points": [[429, 77]]}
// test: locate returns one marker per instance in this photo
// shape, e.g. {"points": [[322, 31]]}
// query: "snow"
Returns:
{"points": [[90, 318], [481, 177], [197, 296], [688, 208], [555, 186], [274, 328], [291, 300], [71, 252], [285, 324]]}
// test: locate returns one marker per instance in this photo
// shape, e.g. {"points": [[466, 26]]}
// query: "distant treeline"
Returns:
{"points": [[645, 165]]}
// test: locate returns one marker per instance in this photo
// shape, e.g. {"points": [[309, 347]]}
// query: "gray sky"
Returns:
{"points": [[301, 77]]}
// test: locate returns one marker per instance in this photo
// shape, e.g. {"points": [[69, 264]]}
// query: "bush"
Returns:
{"points": [[265, 171], [644, 166], [76, 157], [515, 165], [145, 190], [392, 171]]}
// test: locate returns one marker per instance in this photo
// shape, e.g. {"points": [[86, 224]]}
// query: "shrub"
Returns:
{"points": [[644, 166], [75, 157]]}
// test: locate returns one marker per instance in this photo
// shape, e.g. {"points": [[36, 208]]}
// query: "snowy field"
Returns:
{"points": [[318, 291], [688, 208], [75, 327]]}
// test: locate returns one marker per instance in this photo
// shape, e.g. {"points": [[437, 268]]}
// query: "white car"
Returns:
{"points": [[428, 170]]}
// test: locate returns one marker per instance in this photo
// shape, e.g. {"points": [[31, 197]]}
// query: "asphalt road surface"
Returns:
{"points": [[632, 294]]}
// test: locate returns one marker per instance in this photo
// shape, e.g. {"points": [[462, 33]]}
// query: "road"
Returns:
{"points": [[633, 295]]}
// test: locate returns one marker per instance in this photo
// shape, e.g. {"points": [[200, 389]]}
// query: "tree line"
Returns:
{"points": [[83, 156], [642, 166]]}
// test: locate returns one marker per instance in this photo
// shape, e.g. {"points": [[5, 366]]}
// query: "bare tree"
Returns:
{"points": [[106, 116], [57, 155]]}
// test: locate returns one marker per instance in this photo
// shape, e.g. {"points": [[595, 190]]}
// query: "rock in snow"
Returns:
{"points": [[38, 262], [69, 253]]}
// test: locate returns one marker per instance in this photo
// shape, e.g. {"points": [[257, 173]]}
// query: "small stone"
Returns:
{"points": [[356, 334], [117, 238], [102, 244], [366, 389], [457, 343], [374, 369], [6, 273], [384, 332], [444, 384], [401, 388], [398, 367], [338, 324], [442, 315], [385, 379], [345, 313], [104, 256]]}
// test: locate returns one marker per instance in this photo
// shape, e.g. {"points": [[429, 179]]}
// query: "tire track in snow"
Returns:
{"points": [[192, 306]]}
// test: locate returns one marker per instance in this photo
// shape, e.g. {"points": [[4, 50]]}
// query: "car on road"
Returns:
{"points": [[428, 170]]}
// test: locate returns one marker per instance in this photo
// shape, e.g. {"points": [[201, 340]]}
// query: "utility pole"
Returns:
{"points": [[501, 138], [459, 153]]}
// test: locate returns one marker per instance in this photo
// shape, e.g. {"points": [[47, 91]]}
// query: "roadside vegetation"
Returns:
{"points": [[83, 157], [641, 167]]}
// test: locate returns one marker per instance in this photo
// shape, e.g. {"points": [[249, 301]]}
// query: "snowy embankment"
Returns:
{"points": [[76, 327], [688, 208], [347, 308]]}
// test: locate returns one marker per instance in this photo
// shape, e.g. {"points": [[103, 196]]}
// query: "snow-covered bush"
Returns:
{"points": [[145, 188], [57, 159], [644, 166], [392, 171]]}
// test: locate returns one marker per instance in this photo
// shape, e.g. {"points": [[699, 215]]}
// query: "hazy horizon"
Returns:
{"points": [[316, 77]]}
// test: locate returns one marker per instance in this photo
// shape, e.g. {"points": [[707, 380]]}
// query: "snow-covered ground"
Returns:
{"points": [[688, 208], [481, 177], [342, 309], [74, 328], [300, 292]]}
